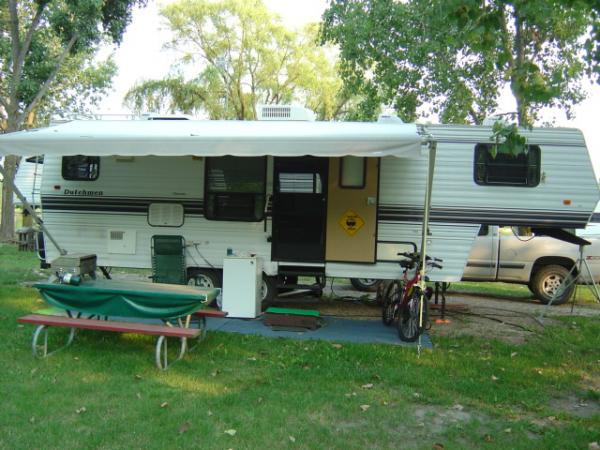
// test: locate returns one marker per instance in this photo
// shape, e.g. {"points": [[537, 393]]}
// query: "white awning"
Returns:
{"points": [[215, 138]]}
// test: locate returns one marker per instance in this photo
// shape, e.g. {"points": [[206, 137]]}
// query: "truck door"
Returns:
{"points": [[482, 263], [352, 209]]}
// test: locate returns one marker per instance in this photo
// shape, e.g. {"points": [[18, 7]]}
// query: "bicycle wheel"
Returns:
{"points": [[408, 323], [391, 299]]}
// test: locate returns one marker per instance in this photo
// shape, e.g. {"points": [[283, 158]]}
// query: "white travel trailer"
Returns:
{"points": [[308, 198]]}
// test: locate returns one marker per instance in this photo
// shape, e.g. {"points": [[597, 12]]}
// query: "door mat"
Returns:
{"points": [[288, 319]]}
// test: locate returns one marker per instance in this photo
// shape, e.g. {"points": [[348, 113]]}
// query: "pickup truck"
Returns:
{"points": [[541, 263]]}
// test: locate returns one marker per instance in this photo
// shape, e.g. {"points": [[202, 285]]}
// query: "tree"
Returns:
{"points": [[242, 56], [46, 53], [457, 55]]}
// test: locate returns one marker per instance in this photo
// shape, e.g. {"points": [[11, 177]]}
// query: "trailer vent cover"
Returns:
{"points": [[116, 235]]}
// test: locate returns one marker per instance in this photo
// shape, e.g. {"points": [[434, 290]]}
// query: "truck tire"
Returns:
{"points": [[365, 284], [546, 281]]}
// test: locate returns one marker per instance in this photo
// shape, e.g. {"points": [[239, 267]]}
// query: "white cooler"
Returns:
{"points": [[242, 285]]}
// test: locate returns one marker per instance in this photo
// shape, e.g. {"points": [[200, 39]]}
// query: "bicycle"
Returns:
{"points": [[403, 298]]}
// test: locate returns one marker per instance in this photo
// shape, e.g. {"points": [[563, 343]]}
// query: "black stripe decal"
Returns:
{"points": [[116, 204], [485, 216]]}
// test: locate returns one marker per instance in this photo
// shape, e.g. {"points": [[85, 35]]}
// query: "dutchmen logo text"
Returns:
{"points": [[83, 192]]}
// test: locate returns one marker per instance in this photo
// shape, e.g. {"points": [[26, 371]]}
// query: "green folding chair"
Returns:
{"points": [[168, 259]]}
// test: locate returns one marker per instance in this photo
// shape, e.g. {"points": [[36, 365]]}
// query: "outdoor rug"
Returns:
{"points": [[334, 329]]}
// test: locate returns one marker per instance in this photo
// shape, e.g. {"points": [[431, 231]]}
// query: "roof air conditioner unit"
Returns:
{"points": [[285, 112]]}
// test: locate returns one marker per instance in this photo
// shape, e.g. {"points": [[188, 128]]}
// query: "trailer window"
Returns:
{"points": [[235, 188], [507, 169], [80, 168], [352, 172]]}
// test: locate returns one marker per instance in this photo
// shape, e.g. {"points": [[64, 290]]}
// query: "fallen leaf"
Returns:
{"points": [[138, 377], [183, 428], [437, 446], [76, 358], [81, 410], [230, 432], [292, 439], [252, 358], [508, 430], [164, 404], [336, 345], [384, 403], [513, 354], [365, 407], [20, 326], [551, 418], [458, 407], [138, 395], [367, 386], [494, 378], [487, 438]]}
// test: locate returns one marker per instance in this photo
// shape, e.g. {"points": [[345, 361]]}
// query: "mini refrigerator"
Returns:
{"points": [[242, 286]]}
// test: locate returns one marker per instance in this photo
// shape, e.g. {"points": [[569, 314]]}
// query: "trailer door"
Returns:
{"points": [[299, 208], [352, 209]]}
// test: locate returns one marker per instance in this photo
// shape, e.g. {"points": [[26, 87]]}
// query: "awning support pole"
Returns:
{"points": [[425, 230], [31, 211]]}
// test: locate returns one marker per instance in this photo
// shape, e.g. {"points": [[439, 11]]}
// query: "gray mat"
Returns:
{"points": [[334, 329]]}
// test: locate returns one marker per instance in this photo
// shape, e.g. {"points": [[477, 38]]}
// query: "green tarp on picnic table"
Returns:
{"points": [[127, 298]]}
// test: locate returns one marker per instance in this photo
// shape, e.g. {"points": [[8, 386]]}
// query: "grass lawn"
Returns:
{"points": [[104, 391]]}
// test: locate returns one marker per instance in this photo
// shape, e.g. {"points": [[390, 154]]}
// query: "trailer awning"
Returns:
{"points": [[215, 138]]}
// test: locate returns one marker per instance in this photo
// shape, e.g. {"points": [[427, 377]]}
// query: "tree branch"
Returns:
{"points": [[50, 78], [29, 36]]}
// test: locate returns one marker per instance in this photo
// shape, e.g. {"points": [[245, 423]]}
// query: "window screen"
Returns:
{"points": [[507, 169], [80, 168], [235, 188], [300, 183]]}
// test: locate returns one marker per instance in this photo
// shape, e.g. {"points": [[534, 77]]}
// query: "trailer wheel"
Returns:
{"points": [[206, 278], [268, 290], [547, 280], [365, 284]]}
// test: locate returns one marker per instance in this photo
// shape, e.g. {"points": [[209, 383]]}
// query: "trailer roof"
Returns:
{"points": [[215, 138]]}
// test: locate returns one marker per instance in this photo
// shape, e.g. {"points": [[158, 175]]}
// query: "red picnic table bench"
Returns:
{"points": [[174, 305]]}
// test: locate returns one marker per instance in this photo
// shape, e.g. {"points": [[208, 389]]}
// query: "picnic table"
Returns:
{"points": [[90, 304]]}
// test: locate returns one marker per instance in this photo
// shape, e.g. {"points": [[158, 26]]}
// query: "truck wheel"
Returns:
{"points": [[365, 284], [547, 280]]}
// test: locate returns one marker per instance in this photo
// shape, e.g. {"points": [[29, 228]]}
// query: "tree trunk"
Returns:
{"points": [[7, 225]]}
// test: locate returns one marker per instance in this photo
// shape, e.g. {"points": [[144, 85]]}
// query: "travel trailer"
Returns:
{"points": [[308, 198]]}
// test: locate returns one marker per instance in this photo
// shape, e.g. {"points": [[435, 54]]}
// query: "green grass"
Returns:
{"points": [[292, 394]]}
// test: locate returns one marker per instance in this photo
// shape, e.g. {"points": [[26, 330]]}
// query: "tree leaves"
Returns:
{"points": [[457, 55]]}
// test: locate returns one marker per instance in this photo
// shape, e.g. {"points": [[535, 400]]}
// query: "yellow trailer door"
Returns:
{"points": [[352, 209]]}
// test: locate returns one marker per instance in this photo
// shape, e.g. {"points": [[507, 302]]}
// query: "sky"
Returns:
{"points": [[141, 56]]}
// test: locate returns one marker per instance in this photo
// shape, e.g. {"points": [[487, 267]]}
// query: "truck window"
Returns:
{"points": [[80, 168], [507, 169], [235, 188]]}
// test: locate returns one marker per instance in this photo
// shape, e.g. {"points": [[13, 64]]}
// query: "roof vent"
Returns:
{"points": [[284, 112]]}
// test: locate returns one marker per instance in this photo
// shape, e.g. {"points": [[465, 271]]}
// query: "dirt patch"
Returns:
{"points": [[575, 406], [439, 419]]}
